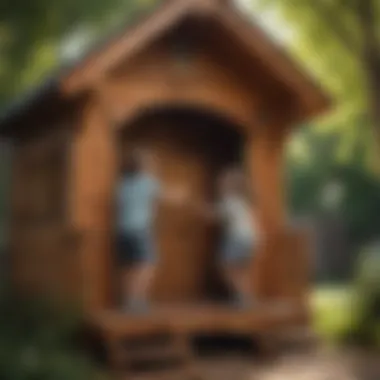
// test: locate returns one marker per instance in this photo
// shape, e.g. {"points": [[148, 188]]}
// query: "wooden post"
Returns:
{"points": [[264, 159], [94, 169]]}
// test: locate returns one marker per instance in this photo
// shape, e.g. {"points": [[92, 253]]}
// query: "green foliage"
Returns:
{"points": [[332, 312], [316, 164], [39, 343], [308, 173], [367, 297], [4, 192], [361, 204], [327, 38], [352, 314], [31, 33]]}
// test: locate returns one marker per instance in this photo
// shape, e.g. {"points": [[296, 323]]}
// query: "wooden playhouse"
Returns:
{"points": [[200, 86]]}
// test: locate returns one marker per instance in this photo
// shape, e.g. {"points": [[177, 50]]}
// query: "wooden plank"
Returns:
{"points": [[117, 323], [283, 267], [91, 207], [248, 35], [42, 249], [40, 175], [154, 81], [196, 319], [134, 41], [313, 100], [45, 262]]}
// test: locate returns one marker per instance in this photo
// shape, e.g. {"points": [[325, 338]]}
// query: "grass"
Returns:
{"points": [[333, 312]]}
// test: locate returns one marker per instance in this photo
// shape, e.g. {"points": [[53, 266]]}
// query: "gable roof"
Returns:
{"points": [[85, 71]]}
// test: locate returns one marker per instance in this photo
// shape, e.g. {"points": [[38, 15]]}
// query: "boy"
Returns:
{"points": [[137, 193]]}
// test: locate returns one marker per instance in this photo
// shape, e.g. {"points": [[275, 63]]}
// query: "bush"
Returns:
{"points": [[366, 306], [40, 343], [332, 317]]}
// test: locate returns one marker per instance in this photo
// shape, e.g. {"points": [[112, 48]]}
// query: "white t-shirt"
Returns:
{"points": [[237, 214]]}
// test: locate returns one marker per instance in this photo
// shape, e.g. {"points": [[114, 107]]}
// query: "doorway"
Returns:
{"points": [[191, 147]]}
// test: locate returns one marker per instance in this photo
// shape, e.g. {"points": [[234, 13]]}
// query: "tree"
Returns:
{"points": [[31, 33], [314, 165], [339, 40]]}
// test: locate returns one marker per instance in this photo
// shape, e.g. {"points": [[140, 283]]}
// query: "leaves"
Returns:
{"points": [[328, 40], [315, 163], [38, 342], [31, 33]]}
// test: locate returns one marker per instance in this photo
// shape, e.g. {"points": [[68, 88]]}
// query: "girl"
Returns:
{"points": [[240, 232]]}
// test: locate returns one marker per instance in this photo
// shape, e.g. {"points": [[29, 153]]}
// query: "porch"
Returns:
{"points": [[167, 333]]}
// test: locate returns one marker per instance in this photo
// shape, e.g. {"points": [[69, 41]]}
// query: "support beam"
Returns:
{"points": [[94, 163], [264, 161]]}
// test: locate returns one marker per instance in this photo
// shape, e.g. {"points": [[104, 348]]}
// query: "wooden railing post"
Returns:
{"points": [[283, 267]]}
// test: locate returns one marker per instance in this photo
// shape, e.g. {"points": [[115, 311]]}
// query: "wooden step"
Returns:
{"points": [[168, 352], [197, 319], [178, 351], [162, 374]]}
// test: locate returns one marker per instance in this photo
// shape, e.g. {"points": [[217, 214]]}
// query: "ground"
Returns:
{"points": [[323, 364], [319, 364]]}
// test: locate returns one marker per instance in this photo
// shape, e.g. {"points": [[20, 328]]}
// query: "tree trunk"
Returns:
{"points": [[372, 67], [371, 62]]}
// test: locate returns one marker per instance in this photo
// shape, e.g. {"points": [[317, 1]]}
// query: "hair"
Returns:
{"points": [[236, 176], [130, 161], [229, 178]]}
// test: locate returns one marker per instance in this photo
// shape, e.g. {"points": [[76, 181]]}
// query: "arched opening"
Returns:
{"points": [[192, 147]]}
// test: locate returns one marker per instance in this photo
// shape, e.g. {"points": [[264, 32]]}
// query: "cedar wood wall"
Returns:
{"points": [[43, 248]]}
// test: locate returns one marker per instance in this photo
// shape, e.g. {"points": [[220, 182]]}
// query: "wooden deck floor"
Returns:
{"points": [[132, 338], [197, 319]]}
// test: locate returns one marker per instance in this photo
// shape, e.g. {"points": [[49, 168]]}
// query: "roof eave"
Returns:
{"points": [[313, 100], [28, 102]]}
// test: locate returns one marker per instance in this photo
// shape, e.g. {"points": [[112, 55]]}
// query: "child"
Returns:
{"points": [[137, 193], [240, 233]]}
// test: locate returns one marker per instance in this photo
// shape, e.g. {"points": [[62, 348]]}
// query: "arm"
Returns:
{"points": [[209, 211], [180, 196]]}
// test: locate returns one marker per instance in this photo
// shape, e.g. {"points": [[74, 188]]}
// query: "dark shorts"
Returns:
{"points": [[135, 247], [236, 250]]}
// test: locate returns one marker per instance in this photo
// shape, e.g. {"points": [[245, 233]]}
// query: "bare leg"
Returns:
{"points": [[245, 279], [232, 274], [126, 275], [141, 280], [237, 279]]}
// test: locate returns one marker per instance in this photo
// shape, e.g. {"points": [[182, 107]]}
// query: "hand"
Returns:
{"points": [[203, 209], [179, 195]]}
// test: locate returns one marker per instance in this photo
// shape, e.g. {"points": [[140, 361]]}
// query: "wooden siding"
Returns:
{"points": [[40, 233]]}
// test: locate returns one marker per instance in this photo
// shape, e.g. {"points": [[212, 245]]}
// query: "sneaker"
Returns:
{"points": [[243, 303], [137, 307]]}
